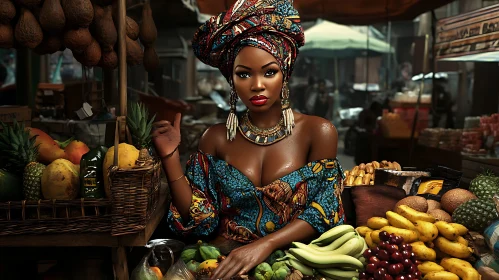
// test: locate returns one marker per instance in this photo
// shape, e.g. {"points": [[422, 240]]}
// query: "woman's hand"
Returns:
{"points": [[241, 260], [166, 137]]}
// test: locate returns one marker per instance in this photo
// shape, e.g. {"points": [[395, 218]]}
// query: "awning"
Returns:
{"points": [[358, 12], [472, 36]]}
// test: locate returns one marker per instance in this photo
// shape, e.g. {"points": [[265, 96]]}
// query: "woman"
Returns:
{"points": [[265, 179]]}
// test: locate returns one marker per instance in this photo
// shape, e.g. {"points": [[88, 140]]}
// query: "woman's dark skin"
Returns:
{"points": [[256, 72]]}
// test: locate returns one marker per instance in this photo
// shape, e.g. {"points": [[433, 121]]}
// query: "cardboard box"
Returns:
{"points": [[19, 113]]}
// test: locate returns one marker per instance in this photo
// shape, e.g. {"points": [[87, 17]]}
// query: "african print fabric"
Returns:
{"points": [[271, 25], [225, 201]]}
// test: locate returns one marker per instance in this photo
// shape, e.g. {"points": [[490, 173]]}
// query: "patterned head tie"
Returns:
{"points": [[271, 25]]}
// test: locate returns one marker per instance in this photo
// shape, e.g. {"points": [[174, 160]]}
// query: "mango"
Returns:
{"points": [[281, 273], [61, 180], [207, 268], [192, 266], [188, 255], [209, 252]]}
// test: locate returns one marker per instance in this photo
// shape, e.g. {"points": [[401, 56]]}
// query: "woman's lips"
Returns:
{"points": [[258, 100]]}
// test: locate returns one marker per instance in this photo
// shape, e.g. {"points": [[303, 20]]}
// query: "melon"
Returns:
{"points": [[60, 180], [454, 198], [417, 203], [127, 156]]}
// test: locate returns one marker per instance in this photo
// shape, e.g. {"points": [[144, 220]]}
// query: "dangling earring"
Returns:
{"points": [[232, 122], [287, 113]]}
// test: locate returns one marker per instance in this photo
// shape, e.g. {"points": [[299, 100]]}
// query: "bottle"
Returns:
{"points": [[91, 173]]}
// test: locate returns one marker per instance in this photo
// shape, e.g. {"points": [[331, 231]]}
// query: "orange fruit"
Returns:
{"points": [[157, 271]]}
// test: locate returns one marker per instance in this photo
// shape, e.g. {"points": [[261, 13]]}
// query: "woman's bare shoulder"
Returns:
{"points": [[323, 136], [212, 138]]}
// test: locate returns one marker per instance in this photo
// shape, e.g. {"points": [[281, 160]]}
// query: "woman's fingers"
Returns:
{"points": [[225, 267], [178, 120]]}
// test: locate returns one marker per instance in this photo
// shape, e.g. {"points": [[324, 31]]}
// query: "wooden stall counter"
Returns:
{"points": [[105, 239]]}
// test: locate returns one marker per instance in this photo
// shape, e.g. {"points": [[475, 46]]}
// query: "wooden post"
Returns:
{"points": [[122, 67]]}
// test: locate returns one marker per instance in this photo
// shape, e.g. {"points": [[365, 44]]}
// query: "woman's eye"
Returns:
{"points": [[270, 73], [242, 74]]}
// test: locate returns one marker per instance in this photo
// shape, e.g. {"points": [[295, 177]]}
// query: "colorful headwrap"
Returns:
{"points": [[271, 25]]}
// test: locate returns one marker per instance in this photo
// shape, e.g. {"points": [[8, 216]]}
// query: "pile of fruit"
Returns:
{"points": [[363, 174], [391, 259], [88, 28], [201, 259], [431, 241], [336, 254], [34, 166]]}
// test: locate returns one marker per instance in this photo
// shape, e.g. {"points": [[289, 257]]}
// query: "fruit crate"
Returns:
{"points": [[55, 216]]}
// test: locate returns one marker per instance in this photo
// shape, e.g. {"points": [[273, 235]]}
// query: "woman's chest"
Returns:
{"points": [[262, 165]]}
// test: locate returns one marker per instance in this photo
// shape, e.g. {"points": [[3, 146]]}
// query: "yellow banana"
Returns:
{"points": [[399, 221], [441, 275], [413, 215], [377, 223], [326, 261], [427, 231], [408, 235], [457, 267], [447, 230], [462, 240], [428, 267], [362, 230], [375, 236], [369, 241], [461, 230], [422, 252], [452, 248]]}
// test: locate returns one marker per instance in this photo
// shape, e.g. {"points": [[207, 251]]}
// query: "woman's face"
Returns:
{"points": [[257, 79]]}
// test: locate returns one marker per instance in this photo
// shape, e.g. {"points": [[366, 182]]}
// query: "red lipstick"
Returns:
{"points": [[259, 100]]}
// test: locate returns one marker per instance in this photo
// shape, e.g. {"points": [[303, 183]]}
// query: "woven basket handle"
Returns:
{"points": [[120, 120]]}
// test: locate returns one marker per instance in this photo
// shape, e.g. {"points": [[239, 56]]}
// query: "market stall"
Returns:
{"points": [[72, 193]]}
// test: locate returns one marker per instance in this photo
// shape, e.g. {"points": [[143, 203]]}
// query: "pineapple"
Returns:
{"points": [[476, 214], [140, 128], [485, 185], [18, 154]]}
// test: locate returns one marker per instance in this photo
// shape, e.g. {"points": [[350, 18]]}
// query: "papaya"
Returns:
{"points": [[192, 266], [281, 273], [209, 252], [207, 268], [188, 254]]}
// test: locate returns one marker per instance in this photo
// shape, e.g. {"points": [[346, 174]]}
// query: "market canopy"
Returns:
{"points": [[329, 39], [357, 12]]}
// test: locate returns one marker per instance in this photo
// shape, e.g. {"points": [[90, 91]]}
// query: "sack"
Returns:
{"points": [[179, 271], [374, 201]]}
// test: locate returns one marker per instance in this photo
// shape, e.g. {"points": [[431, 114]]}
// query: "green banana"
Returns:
{"points": [[339, 274], [326, 260], [333, 234], [351, 247], [364, 247], [336, 243], [363, 260], [305, 270]]}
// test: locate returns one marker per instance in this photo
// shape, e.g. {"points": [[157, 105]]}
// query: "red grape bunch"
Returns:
{"points": [[391, 260]]}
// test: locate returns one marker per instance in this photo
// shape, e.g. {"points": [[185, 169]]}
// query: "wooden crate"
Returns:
{"points": [[472, 166]]}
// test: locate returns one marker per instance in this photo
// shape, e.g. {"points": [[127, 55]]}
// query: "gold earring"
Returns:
{"points": [[287, 113], [232, 121]]}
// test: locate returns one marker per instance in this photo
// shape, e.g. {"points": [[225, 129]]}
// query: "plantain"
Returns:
{"points": [[461, 268], [362, 230], [441, 275], [422, 252], [408, 235], [427, 267], [326, 261], [447, 230], [452, 248], [336, 243], [339, 274], [413, 215], [461, 230], [377, 222], [333, 234], [399, 221], [427, 231]]}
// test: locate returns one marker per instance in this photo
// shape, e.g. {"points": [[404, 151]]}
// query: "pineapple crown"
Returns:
{"points": [[17, 148], [139, 125]]}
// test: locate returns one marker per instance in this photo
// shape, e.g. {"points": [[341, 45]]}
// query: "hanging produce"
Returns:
{"points": [[6, 36], [79, 13], [132, 28], [134, 54], [77, 40], [52, 18], [148, 36], [50, 44], [28, 31], [91, 56], [104, 29], [7, 11], [29, 3]]}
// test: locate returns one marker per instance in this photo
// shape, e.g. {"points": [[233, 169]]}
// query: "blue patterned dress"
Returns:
{"points": [[225, 200]]}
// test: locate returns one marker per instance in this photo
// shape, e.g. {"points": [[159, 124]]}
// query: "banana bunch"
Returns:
{"points": [[363, 174], [431, 241], [336, 254]]}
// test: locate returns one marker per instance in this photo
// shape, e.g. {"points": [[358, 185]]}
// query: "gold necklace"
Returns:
{"points": [[262, 136]]}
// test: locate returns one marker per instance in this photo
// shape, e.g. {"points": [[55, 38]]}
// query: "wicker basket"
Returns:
{"points": [[55, 216], [134, 192]]}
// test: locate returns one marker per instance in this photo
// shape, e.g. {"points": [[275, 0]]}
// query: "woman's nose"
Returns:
{"points": [[257, 85]]}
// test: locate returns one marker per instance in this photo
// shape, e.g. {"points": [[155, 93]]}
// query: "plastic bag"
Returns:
{"points": [[179, 271], [143, 271]]}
